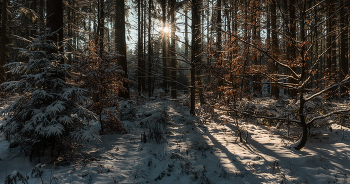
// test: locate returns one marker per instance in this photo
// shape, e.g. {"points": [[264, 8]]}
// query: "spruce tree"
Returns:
{"points": [[49, 112]]}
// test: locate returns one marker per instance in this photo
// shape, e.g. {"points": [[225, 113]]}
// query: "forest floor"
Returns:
{"points": [[181, 148]]}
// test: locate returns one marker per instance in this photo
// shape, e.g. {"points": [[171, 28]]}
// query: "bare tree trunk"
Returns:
{"points": [[329, 43], [344, 46], [259, 57], [195, 54], [303, 124], [70, 31], [164, 48], [219, 36], [318, 72], [186, 46], [42, 8], [173, 50], [101, 27], [292, 44], [243, 84], [3, 41], [199, 77], [139, 49], [42, 14], [55, 22], [268, 42], [255, 20], [150, 50], [143, 61], [275, 88], [208, 37], [334, 51], [120, 43]]}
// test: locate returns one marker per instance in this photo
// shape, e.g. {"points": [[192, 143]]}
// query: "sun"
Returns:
{"points": [[166, 29]]}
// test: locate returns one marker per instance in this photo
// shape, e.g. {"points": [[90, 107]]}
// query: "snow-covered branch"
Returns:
{"points": [[344, 81], [264, 117], [327, 115]]}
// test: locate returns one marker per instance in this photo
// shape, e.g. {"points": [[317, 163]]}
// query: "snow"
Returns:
{"points": [[197, 149], [55, 108]]}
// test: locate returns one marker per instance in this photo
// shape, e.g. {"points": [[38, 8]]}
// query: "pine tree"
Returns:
{"points": [[49, 113]]}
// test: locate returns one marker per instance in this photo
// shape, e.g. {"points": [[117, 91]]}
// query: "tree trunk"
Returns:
{"points": [[275, 87], [120, 43], [344, 46], [334, 50], [219, 37], [303, 124], [70, 31], [243, 84], [199, 77], [143, 34], [139, 49], [329, 43], [259, 57], [3, 41], [150, 50], [292, 44], [42, 14], [164, 48], [101, 26], [33, 6], [173, 50], [55, 23], [209, 36], [195, 52], [255, 20], [318, 72], [186, 47], [268, 42]]}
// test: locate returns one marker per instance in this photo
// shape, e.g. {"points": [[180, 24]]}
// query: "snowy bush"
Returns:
{"points": [[49, 113], [37, 171], [157, 125], [16, 176], [127, 110]]}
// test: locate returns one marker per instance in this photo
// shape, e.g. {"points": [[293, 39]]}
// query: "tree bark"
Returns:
{"points": [[303, 124], [292, 44], [268, 42], [334, 50], [139, 49], [150, 50], [120, 43], [143, 33], [70, 31], [343, 46], [164, 47], [3, 41], [54, 10], [102, 26], [329, 43], [195, 50], [186, 47], [173, 50], [219, 37], [275, 88]]}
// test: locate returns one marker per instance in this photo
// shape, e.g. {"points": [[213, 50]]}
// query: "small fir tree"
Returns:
{"points": [[49, 113]]}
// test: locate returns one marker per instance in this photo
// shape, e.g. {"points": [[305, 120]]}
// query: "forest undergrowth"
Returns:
{"points": [[165, 143]]}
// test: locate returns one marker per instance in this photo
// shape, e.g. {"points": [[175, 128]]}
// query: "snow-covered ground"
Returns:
{"points": [[194, 149]]}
